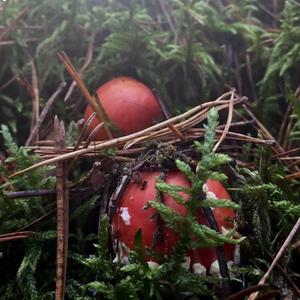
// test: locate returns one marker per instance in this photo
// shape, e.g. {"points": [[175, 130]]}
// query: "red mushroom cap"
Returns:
{"points": [[129, 104], [131, 216]]}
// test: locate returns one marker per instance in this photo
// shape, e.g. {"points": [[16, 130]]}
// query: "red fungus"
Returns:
{"points": [[129, 104], [131, 215]]}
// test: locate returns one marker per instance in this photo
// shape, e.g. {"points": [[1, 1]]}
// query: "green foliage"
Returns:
{"points": [[136, 280], [282, 61], [287, 208], [268, 203], [187, 50], [16, 213], [25, 284]]}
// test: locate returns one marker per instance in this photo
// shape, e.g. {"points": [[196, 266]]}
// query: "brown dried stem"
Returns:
{"points": [[11, 27], [88, 60], [243, 293], [277, 147], [36, 96], [13, 236], [187, 120], [76, 77], [44, 113], [227, 126], [277, 257], [283, 124], [62, 196]]}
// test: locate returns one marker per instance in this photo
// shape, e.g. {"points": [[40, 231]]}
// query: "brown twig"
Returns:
{"points": [[29, 194], [153, 131], [39, 221], [227, 126], [269, 295], [277, 147], [289, 281], [36, 96], [16, 233], [293, 176], [88, 60], [110, 143], [11, 27], [293, 164], [185, 124], [8, 82], [244, 292], [237, 124], [190, 134], [24, 82], [12, 42], [92, 135], [283, 124], [13, 236], [286, 139], [287, 152], [62, 196], [84, 131], [44, 112], [278, 256], [82, 136], [91, 100]]}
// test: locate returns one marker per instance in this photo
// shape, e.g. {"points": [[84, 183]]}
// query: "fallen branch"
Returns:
{"points": [[62, 198]]}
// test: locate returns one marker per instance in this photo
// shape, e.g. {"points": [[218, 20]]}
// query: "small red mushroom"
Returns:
{"points": [[205, 259], [131, 216], [129, 104]]}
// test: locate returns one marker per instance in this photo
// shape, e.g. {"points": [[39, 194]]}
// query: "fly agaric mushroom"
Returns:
{"points": [[130, 216], [205, 259], [129, 105]]}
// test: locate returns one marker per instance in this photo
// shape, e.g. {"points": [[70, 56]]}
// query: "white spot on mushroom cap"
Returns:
{"points": [[224, 230], [215, 268], [187, 262], [211, 195], [205, 188], [152, 265], [121, 250], [124, 214], [122, 259], [198, 269]]}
